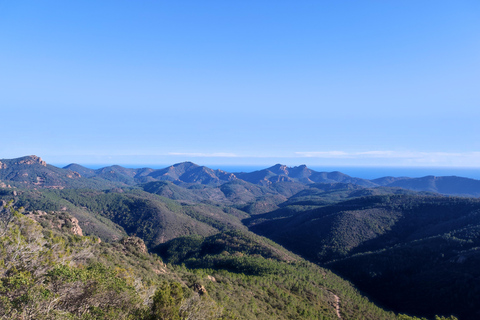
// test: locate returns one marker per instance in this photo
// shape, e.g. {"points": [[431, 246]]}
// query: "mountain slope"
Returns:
{"points": [[366, 223], [83, 171], [268, 281], [302, 174], [251, 198], [111, 215], [445, 185], [189, 172], [432, 275], [410, 252], [33, 172], [76, 277]]}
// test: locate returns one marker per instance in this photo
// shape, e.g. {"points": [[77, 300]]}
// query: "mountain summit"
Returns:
{"points": [[33, 172], [27, 160], [301, 174]]}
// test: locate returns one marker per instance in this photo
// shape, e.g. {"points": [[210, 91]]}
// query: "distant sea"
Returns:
{"points": [[358, 172]]}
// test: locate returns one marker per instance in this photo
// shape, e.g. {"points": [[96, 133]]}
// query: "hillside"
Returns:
{"points": [[320, 194], [366, 223], [198, 217], [302, 174], [33, 172], [423, 246], [151, 217], [432, 275], [452, 185], [50, 273], [237, 276], [237, 192], [279, 284]]}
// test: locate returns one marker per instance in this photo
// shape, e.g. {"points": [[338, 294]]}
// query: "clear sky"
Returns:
{"points": [[347, 83]]}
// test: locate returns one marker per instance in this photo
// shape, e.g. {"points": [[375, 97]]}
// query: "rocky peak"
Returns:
{"points": [[223, 175], [30, 160], [279, 169]]}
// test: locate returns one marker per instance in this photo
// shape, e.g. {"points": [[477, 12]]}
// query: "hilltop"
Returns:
{"points": [[33, 172]]}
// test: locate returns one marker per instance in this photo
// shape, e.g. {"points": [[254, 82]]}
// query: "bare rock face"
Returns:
{"points": [[162, 268], [226, 176], [76, 227], [283, 169], [2, 165], [211, 278], [134, 242], [73, 175], [199, 288], [29, 160], [69, 222]]}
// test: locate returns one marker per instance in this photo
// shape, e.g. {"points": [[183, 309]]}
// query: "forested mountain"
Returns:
{"points": [[237, 192], [33, 172], [407, 247], [47, 272], [408, 251], [153, 218], [83, 171], [300, 174], [446, 185]]}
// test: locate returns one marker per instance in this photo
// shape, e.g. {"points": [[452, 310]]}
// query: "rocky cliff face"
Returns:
{"points": [[30, 160], [33, 172], [75, 229], [58, 220]]}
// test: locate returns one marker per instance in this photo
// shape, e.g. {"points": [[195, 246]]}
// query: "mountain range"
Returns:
{"points": [[410, 244], [33, 172]]}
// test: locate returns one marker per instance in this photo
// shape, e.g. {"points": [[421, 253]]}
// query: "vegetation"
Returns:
{"points": [[153, 218], [79, 248], [46, 274], [425, 247], [258, 279], [50, 274]]}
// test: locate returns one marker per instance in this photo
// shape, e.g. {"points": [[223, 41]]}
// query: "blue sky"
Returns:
{"points": [[334, 83]]}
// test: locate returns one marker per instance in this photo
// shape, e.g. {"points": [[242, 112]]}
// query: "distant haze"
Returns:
{"points": [[359, 172]]}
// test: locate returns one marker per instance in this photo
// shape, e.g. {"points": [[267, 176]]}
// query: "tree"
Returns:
{"points": [[167, 301], [7, 214]]}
